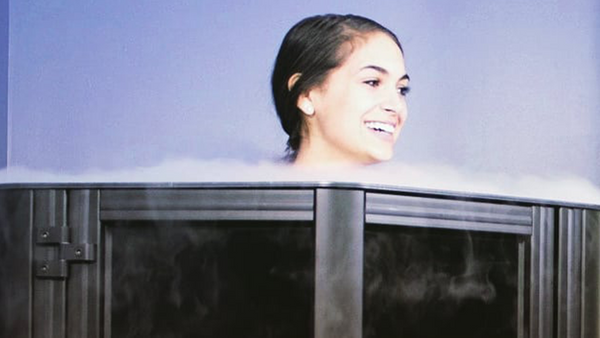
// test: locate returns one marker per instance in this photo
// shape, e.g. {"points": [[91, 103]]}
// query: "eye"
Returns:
{"points": [[404, 90], [372, 83]]}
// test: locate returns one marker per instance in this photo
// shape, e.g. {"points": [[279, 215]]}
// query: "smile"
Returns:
{"points": [[381, 126]]}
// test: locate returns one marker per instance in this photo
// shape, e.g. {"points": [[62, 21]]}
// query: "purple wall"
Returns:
{"points": [[3, 82], [507, 87]]}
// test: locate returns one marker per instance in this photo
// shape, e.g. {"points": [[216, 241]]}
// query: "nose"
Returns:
{"points": [[393, 102]]}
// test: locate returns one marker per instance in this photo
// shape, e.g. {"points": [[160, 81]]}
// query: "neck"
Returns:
{"points": [[311, 155]]}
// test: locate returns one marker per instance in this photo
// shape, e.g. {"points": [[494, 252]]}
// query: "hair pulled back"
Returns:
{"points": [[312, 48]]}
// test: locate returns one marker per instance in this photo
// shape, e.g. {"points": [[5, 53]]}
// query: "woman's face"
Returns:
{"points": [[360, 108]]}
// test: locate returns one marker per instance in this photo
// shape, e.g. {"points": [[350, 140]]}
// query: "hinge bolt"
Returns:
{"points": [[45, 234], [78, 252], [44, 268]]}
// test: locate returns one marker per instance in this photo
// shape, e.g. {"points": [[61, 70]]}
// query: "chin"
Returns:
{"points": [[380, 157]]}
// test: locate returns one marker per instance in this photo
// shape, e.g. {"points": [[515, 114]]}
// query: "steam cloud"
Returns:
{"points": [[439, 178]]}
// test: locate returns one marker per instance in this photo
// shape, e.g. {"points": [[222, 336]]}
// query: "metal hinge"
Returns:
{"points": [[67, 252]]}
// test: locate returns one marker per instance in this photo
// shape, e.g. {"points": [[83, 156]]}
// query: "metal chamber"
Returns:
{"points": [[293, 260]]}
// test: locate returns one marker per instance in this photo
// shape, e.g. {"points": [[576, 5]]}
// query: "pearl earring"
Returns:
{"points": [[308, 109]]}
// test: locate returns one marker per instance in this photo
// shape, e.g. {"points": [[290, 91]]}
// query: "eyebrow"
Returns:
{"points": [[384, 71]]}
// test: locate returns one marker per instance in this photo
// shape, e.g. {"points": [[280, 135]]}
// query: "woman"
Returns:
{"points": [[339, 86]]}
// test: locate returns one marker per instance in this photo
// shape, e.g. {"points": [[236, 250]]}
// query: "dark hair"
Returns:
{"points": [[312, 48]]}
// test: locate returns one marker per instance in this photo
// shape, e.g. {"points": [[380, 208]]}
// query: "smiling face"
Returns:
{"points": [[356, 115]]}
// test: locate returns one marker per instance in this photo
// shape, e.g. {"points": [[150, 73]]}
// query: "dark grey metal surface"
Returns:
{"points": [[107, 249], [339, 263], [541, 304], [84, 287], [49, 295], [51, 269], [78, 253], [52, 235], [563, 299], [67, 253], [15, 263], [590, 325], [570, 228], [306, 185], [522, 291], [234, 204], [448, 214]]}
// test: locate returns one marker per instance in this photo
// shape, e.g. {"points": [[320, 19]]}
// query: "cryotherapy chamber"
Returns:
{"points": [[293, 260]]}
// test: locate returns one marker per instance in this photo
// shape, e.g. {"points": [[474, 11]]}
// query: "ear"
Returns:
{"points": [[305, 105], [292, 81]]}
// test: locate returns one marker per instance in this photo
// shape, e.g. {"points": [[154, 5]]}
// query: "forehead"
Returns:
{"points": [[376, 49]]}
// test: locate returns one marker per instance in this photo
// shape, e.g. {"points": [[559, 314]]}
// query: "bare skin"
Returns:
{"points": [[355, 117]]}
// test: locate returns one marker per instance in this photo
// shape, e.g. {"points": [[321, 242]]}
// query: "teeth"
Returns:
{"points": [[380, 126]]}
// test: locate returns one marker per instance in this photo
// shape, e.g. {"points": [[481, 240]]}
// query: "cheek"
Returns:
{"points": [[344, 112], [361, 104]]}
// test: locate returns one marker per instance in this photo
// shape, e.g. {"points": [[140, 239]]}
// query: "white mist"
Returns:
{"points": [[413, 176]]}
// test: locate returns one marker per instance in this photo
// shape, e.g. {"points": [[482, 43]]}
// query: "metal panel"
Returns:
{"points": [[590, 324], [15, 261], [84, 278], [339, 263], [209, 204], [569, 273], [49, 297], [107, 247], [521, 300], [541, 305], [447, 214]]}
